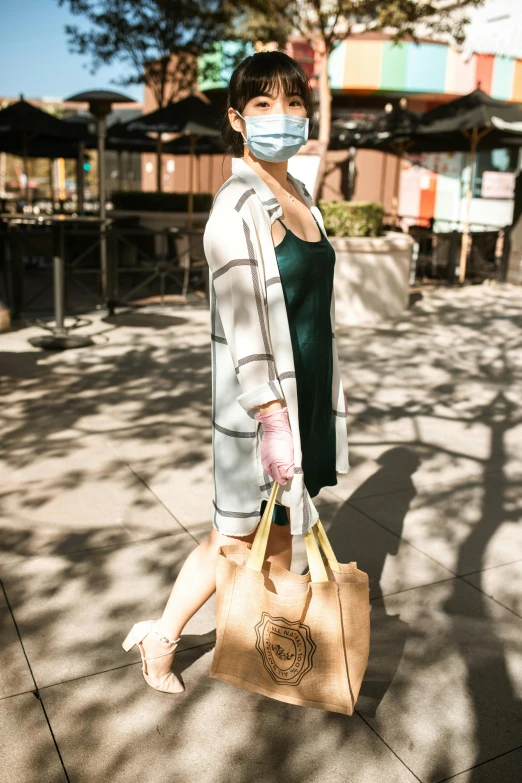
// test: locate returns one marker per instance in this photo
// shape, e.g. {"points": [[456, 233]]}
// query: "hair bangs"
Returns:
{"points": [[272, 75]]}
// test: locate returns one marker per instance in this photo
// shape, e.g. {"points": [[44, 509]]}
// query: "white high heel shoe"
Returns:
{"points": [[167, 683]]}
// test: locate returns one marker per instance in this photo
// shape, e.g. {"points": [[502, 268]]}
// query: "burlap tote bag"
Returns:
{"points": [[300, 639]]}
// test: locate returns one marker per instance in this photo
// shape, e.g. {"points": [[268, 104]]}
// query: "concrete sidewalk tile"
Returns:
{"points": [[73, 611], [15, 676], [456, 435], [115, 727], [503, 583], [504, 769], [384, 467], [465, 527], [176, 441], [177, 466], [77, 511], [62, 455], [391, 564], [443, 686], [27, 749], [186, 492]]}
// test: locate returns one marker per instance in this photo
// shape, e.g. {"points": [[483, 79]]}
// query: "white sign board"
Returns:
{"points": [[497, 184]]}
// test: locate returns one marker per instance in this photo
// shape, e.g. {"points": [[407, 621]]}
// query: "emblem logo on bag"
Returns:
{"points": [[286, 649]]}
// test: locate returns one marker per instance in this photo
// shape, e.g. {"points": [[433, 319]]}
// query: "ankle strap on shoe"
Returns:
{"points": [[161, 636]]}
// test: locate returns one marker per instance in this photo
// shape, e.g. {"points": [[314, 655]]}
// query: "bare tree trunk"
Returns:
{"points": [[325, 121], [159, 163], [325, 102]]}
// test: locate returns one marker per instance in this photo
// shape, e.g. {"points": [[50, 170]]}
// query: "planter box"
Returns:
{"points": [[371, 277]]}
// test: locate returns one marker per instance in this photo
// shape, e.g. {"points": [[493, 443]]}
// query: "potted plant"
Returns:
{"points": [[372, 269]]}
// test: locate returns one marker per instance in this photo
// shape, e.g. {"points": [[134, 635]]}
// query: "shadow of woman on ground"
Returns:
{"points": [[355, 537]]}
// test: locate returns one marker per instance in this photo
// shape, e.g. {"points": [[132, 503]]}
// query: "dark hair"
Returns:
{"points": [[260, 74]]}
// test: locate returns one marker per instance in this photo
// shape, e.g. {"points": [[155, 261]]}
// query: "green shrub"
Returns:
{"points": [[352, 218], [159, 202]]}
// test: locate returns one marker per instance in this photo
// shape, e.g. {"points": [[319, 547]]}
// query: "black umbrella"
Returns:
{"points": [[23, 125], [120, 139], [475, 110], [42, 147], [474, 119], [457, 126], [204, 145], [192, 117], [23, 118]]}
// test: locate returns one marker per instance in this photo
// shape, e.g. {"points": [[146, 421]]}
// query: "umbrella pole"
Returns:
{"points": [[119, 155], [191, 180], [475, 136], [383, 177], [52, 186], [210, 173], [159, 163], [79, 178], [464, 248], [395, 199], [101, 126], [25, 153]]}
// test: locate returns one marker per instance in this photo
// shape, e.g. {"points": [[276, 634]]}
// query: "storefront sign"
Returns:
{"points": [[497, 184]]}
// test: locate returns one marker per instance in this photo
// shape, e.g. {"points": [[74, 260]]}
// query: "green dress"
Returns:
{"points": [[307, 272]]}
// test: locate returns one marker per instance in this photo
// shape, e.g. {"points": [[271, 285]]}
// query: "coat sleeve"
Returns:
{"points": [[234, 271]]}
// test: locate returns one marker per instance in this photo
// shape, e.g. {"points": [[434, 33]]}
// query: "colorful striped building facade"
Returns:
{"points": [[368, 71]]}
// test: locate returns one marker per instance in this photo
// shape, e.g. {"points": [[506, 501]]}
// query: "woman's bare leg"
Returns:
{"points": [[197, 581]]}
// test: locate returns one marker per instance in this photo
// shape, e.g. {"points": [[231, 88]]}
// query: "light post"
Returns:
{"points": [[100, 105]]}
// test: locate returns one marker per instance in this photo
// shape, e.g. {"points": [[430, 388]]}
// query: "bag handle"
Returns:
{"points": [[315, 562], [257, 553], [326, 546]]}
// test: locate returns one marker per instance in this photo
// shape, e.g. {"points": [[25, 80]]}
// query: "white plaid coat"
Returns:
{"points": [[251, 351]]}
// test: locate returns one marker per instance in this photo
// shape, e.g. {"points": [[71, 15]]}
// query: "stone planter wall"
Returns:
{"points": [[371, 278]]}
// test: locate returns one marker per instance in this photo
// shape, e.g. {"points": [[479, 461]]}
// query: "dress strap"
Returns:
{"points": [[285, 228]]}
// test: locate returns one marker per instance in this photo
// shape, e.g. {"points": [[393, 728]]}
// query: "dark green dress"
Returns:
{"points": [[307, 272]]}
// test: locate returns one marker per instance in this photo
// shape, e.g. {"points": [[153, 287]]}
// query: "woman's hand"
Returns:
{"points": [[277, 445]]}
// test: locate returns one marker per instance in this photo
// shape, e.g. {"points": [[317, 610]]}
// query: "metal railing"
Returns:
{"points": [[142, 262]]}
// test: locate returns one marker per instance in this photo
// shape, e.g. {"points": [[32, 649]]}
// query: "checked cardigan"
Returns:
{"points": [[251, 355]]}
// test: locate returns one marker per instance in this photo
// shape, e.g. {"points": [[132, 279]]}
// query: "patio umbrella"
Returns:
{"points": [[472, 120], [42, 147], [120, 139], [22, 125], [458, 126], [192, 117]]}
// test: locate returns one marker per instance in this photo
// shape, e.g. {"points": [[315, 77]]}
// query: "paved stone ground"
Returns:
{"points": [[106, 488]]}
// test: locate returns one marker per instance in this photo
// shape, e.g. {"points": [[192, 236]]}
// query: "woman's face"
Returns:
{"points": [[271, 103]]}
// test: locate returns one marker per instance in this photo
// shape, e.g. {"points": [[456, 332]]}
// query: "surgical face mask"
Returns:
{"points": [[275, 137]]}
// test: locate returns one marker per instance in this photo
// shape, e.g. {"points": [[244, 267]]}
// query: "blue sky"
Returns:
{"points": [[34, 59]]}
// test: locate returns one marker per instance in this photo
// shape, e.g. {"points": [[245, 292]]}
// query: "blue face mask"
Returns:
{"points": [[275, 137]]}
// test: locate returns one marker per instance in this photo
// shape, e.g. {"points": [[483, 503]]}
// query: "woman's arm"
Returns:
{"points": [[234, 267]]}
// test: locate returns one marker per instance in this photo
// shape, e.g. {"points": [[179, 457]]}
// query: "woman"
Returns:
{"points": [[278, 407]]}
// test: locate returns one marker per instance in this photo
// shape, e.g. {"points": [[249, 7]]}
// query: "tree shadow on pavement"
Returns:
{"points": [[74, 589]]}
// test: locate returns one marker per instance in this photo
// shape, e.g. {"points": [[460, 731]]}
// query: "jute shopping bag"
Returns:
{"points": [[302, 639]]}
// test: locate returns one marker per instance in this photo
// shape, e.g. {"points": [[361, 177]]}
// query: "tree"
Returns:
{"points": [[324, 23], [145, 34]]}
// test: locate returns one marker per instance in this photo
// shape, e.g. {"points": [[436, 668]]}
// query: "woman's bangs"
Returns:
{"points": [[272, 81]]}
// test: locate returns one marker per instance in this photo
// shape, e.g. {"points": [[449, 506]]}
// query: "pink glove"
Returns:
{"points": [[277, 445]]}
